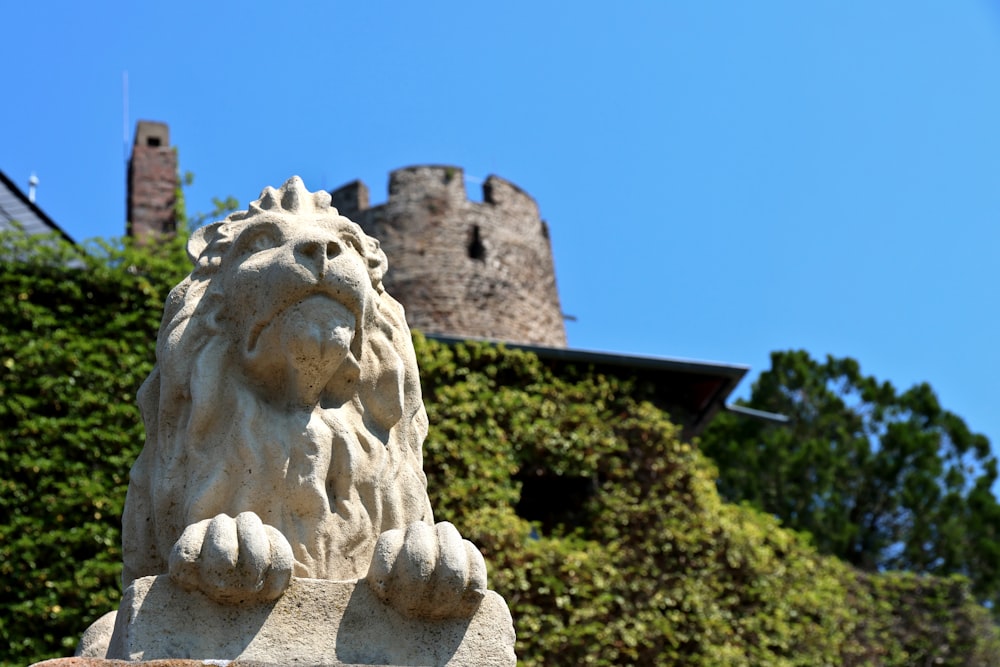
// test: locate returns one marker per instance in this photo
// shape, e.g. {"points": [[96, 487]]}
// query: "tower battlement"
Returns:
{"points": [[419, 182], [459, 267]]}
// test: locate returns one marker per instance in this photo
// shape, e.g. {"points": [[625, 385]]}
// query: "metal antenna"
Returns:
{"points": [[128, 224], [125, 114]]}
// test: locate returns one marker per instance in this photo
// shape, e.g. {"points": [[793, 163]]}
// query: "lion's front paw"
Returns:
{"points": [[428, 571], [232, 560]]}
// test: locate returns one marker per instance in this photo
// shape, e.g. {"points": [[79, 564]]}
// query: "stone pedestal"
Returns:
{"points": [[315, 622]]}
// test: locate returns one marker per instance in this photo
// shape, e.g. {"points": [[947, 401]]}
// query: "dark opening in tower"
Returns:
{"points": [[477, 250]]}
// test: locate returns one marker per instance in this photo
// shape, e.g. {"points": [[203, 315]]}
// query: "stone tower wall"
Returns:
{"points": [[459, 267], [152, 183]]}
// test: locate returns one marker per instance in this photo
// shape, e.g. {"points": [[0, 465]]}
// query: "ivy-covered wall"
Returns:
{"points": [[655, 569], [650, 568], [76, 330]]}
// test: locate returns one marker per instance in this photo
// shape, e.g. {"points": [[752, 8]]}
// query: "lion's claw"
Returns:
{"points": [[232, 560], [428, 571]]}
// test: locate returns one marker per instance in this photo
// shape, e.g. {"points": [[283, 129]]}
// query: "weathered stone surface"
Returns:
{"points": [[314, 622], [95, 640], [284, 427], [460, 267], [173, 662], [103, 662]]}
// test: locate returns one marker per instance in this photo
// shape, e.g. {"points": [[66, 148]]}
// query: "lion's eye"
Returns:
{"points": [[260, 240]]}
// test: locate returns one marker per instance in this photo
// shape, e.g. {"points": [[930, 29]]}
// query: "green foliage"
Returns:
{"points": [[655, 568], [884, 480], [651, 569], [76, 327]]}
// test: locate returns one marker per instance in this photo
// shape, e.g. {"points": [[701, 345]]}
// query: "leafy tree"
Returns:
{"points": [[883, 479]]}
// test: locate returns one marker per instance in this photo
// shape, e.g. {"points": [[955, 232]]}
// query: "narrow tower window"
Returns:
{"points": [[477, 250]]}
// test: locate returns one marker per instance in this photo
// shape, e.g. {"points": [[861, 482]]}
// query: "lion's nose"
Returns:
{"points": [[315, 253]]}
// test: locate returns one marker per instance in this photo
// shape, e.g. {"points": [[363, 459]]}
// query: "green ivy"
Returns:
{"points": [[655, 568], [77, 327], [652, 569]]}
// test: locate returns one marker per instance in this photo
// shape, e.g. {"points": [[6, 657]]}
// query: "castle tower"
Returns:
{"points": [[152, 183], [463, 268]]}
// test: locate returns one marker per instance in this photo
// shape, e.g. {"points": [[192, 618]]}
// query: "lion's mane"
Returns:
{"points": [[330, 478]]}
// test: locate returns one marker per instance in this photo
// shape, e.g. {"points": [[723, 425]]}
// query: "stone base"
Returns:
{"points": [[174, 662], [315, 622]]}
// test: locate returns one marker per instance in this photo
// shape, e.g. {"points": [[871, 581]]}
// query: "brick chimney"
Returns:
{"points": [[152, 183]]}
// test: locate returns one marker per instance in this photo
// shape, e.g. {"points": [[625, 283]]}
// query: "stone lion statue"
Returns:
{"points": [[284, 423]]}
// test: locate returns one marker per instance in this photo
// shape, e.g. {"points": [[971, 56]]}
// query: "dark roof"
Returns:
{"points": [[698, 389], [16, 207]]}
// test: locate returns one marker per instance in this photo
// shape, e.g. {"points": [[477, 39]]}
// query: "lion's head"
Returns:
{"points": [[285, 385]]}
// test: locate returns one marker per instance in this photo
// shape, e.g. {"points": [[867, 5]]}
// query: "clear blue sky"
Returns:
{"points": [[721, 179]]}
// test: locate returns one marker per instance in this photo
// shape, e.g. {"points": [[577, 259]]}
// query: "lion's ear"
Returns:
{"points": [[200, 239]]}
